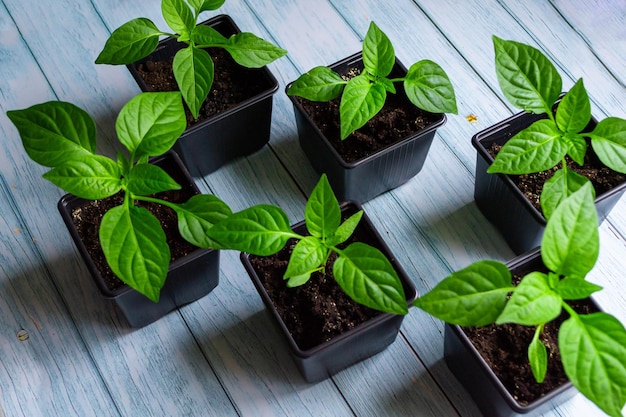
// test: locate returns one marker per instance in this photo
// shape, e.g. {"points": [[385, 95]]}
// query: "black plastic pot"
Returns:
{"points": [[238, 131], [188, 278], [366, 178], [474, 373], [502, 202], [361, 342]]}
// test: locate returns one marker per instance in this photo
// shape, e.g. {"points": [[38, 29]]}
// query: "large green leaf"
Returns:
{"points": [[55, 132], [150, 123], [593, 352], [533, 302], [562, 184], [130, 42], [367, 276], [361, 100], [576, 288], [178, 16], [136, 248], [472, 296], [92, 177], [198, 215], [322, 212], [308, 255], [205, 5], [608, 140], [250, 51], [428, 87], [193, 71], [378, 54], [319, 84], [205, 36], [527, 78], [570, 243], [146, 179], [574, 111]]}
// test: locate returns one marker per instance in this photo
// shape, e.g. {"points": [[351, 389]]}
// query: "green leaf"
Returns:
{"points": [[307, 256], [570, 242], [93, 177], [204, 5], [150, 123], [378, 54], [593, 352], [345, 229], [472, 296], [178, 16], [361, 100], [193, 71], [55, 132], [146, 179], [538, 356], [576, 148], [574, 111], [576, 288], [562, 184], [259, 230], [205, 36], [527, 78], [319, 84], [537, 148], [136, 249], [322, 212], [298, 280], [130, 42], [428, 87], [250, 51], [198, 215], [533, 302], [608, 140], [387, 84], [367, 276]]}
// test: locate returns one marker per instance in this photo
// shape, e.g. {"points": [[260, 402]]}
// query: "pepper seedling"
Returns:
{"points": [[426, 85], [62, 136], [362, 271], [530, 82], [592, 346], [192, 66]]}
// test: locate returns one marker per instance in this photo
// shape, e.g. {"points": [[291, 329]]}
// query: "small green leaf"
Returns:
{"points": [[570, 242], [198, 215], [538, 356], [298, 280], [178, 16], [204, 5], [205, 36], [307, 256], [378, 54], [533, 302], [608, 140], [576, 288], [361, 100], [259, 230], [472, 296], [562, 184], [574, 111], [537, 148], [193, 71], [345, 229], [150, 123], [146, 179], [319, 84], [130, 42], [93, 177], [123, 163], [387, 84], [55, 132], [136, 249], [577, 147], [322, 212], [527, 78], [428, 87], [593, 352], [367, 276], [250, 51]]}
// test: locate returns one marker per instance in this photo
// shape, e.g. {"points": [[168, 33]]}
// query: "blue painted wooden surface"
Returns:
{"points": [[65, 351]]}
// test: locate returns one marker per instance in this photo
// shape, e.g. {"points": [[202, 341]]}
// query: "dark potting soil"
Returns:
{"points": [[232, 83]]}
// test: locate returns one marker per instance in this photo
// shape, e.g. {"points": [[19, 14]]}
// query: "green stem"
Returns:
{"points": [[570, 310], [169, 204]]}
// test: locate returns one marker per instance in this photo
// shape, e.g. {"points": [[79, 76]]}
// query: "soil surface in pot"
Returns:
{"points": [[88, 217], [505, 349], [232, 83]]}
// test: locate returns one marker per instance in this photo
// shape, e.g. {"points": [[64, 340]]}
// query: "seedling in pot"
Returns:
{"points": [[426, 85], [531, 82], [362, 271], [592, 346], [62, 136], [192, 65]]}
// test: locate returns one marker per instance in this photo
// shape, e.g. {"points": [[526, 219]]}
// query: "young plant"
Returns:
{"points": [[592, 346], [362, 271], [531, 82], [426, 85], [192, 66], [62, 136]]}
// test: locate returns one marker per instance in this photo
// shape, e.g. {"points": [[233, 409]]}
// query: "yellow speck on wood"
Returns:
{"points": [[16, 231], [22, 335], [472, 118]]}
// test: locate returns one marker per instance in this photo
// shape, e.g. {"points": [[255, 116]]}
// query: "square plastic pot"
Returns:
{"points": [[371, 176], [188, 279], [503, 203], [236, 132], [473, 372], [355, 345]]}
